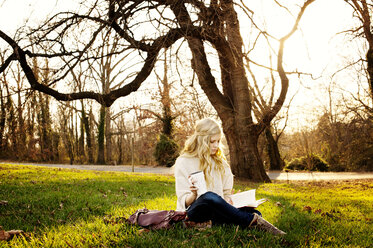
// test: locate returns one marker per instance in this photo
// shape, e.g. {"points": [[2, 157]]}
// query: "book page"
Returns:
{"points": [[246, 199]]}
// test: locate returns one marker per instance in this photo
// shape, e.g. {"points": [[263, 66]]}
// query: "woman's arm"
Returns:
{"points": [[186, 194], [228, 184], [191, 197]]}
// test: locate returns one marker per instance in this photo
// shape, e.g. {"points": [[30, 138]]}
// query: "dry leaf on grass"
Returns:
{"points": [[307, 208], [141, 231], [3, 203], [4, 235], [327, 214], [318, 211], [7, 235], [199, 226]]}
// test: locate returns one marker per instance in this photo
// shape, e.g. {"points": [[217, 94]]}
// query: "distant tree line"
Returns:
{"points": [[36, 128], [343, 146]]}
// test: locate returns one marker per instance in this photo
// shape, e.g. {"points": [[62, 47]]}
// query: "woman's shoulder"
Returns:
{"points": [[186, 159], [186, 163]]}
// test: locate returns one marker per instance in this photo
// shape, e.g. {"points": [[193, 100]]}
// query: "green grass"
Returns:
{"points": [[72, 208]]}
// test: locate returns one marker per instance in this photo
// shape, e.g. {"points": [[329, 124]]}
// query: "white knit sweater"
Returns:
{"points": [[184, 166]]}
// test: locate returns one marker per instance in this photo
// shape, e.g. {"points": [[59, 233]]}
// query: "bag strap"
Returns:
{"points": [[133, 219]]}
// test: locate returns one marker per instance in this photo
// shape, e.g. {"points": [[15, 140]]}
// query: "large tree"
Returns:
{"points": [[147, 27]]}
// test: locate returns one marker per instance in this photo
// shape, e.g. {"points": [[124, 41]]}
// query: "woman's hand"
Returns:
{"points": [[193, 189], [229, 200]]}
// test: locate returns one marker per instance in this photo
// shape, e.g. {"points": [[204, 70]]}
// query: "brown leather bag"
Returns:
{"points": [[156, 219]]}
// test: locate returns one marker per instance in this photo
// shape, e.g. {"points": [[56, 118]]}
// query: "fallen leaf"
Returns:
{"points": [[14, 232], [278, 204], [307, 208], [7, 235], [3, 203], [318, 211], [4, 235], [141, 231]]}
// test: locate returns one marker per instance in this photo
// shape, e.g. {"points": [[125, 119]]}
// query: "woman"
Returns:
{"points": [[202, 152]]}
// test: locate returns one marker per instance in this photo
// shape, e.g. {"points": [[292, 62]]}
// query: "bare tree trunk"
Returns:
{"points": [[101, 137], [108, 135], [120, 149], [81, 150], [370, 70], [31, 142], [66, 133], [2, 121], [275, 160], [12, 125], [45, 128], [21, 133], [244, 154], [87, 129]]}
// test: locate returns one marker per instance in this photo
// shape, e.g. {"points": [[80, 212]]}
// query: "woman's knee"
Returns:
{"points": [[212, 197], [257, 212]]}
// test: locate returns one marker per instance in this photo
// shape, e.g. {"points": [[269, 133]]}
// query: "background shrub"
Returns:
{"points": [[311, 162], [166, 151], [295, 164], [362, 161]]}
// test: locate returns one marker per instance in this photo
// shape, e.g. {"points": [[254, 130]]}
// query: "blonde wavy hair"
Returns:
{"points": [[198, 145]]}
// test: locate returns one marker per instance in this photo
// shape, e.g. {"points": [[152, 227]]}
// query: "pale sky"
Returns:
{"points": [[14, 13]]}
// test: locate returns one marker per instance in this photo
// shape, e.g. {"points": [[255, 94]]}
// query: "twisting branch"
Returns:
{"points": [[363, 11], [7, 62], [281, 71]]}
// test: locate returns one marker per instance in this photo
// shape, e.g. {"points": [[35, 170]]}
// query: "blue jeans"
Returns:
{"points": [[211, 206]]}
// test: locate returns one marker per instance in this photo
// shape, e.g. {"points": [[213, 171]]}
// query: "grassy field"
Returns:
{"points": [[72, 208]]}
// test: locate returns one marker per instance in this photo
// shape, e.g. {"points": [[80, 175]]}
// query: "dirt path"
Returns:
{"points": [[273, 175], [315, 176]]}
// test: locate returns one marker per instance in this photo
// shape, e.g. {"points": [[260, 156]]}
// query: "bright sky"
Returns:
{"points": [[14, 13], [9, 14], [314, 49]]}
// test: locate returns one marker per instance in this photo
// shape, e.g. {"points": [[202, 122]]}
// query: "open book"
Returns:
{"points": [[246, 199]]}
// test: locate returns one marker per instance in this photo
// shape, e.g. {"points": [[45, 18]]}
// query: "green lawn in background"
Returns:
{"points": [[74, 208]]}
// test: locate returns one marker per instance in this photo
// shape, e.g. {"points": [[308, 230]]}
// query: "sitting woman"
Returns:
{"points": [[202, 152]]}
